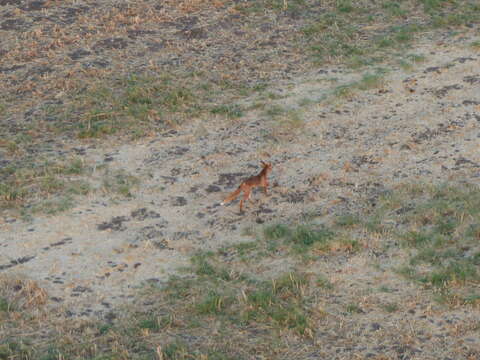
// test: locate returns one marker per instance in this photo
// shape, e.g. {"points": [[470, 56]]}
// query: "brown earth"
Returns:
{"points": [[417, 125]]}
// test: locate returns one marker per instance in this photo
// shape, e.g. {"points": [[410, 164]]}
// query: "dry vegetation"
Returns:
{"points": [[272, 296], [89, 70], [86, 72]]}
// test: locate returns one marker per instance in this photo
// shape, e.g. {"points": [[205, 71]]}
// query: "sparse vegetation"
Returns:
{"points": [[335, 32], [475, 44], [390, 307], [136, 103], [410, 61], [286, 121], [442, 254], [232, 111], [439, 227], [354, 309], [277, 231], [142, 102], [120, 182], [4, 306], [347, 220], [43, 186], [366, 82], [297, 286], [301, 238]]}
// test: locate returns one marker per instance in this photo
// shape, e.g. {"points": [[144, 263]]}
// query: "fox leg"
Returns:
{"points": [[246, 196]]}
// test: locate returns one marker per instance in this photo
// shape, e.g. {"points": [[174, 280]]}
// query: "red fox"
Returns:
{"points": [[247, 185]]}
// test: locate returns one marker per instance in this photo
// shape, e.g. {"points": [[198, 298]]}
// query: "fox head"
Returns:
{"points": [[266, 166]]}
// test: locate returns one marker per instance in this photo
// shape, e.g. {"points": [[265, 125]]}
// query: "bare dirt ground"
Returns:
{"points": [[332, 152]]}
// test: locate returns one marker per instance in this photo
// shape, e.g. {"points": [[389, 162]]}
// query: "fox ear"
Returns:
{"points": [[263, 162]]}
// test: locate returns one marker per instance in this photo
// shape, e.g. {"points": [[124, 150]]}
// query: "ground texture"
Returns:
{"points": [[129, 211]]}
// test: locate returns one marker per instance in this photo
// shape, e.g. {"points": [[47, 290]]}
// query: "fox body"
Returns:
{"points": [[246, 186]]}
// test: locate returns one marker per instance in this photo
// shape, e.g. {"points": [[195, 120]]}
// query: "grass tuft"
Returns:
{"points": [[120, 183], [277, 231], [203, 267], [230, 111], [214, 304], [301, 238]]}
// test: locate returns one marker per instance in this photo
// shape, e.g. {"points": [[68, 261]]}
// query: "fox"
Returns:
{"points": [[247, 185]]}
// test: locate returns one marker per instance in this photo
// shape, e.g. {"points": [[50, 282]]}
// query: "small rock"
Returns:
{"points": [[179, 201], [81, 289], [143, 213], [213, 188], [116, 223]]}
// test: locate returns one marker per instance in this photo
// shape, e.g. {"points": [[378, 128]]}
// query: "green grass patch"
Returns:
{"points": [[410, 61], [354, 309], [52, 206], [276, 231], [41, 185], [439, 230], [451, 273], [203, 266], [333, 35], [120, 183], [279, 302], [11, 349], [213, 303], [305, 236], [230, 111], [301, 238], [390, 307], [394, 8], [475, 44], [152, 323], [385, 289], [4, 305], [368, 81], [246, 248], [141, 101], [275, 111], [347, 220], [324, 283]]}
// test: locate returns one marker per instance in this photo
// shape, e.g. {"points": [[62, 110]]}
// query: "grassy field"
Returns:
{"points": [[127, 99], [297, 288], [269, 294]]}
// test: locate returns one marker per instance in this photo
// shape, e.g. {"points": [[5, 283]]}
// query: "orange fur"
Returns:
{"points": [[247, 185]]}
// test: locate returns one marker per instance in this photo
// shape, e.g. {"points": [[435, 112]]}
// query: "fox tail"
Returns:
{"points": [[232, 196]]}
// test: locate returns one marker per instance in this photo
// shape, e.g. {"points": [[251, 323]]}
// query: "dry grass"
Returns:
{"points": [[98, 70], [271, 296], [103, 75], [22, 294]]}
